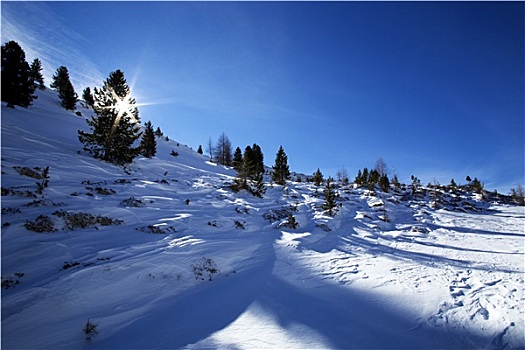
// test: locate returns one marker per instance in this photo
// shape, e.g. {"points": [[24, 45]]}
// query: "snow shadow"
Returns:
{"points": [[336, 317]]}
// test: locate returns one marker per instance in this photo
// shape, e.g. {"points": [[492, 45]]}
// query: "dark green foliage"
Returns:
{"points": [[281, 170], [250, 172], [291, 222], [476, 186], [17, 85], [395, 182], [329, 195], [384, 183], [416, 184], [116, 125], [66, 92], [148, 144], [318, 178], [237, 159], [36, 74], [199, 151], [88, 96], [158, 132]]}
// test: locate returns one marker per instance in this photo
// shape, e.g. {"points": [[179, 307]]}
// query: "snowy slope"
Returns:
{"points": [[224, 272]]}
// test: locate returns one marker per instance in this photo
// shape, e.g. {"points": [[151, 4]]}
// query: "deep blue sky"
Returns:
{"points": [[434, 88]]}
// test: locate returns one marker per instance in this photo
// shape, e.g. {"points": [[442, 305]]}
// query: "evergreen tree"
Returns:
{"points": [[281, 171], [148, 144], [384, 183], [359, 178], [199, 150], [36, 75], [116, 125], [237, 159], [158, 132], [365, 177], [17, 85], [62, 84], [249, 172], [258, 160], [88, 96], [329, 195], [318, 178]]}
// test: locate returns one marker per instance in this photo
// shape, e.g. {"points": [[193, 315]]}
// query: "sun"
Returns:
{"points": [[124, 105]]}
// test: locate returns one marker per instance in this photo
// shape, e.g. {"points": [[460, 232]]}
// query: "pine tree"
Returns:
{"points": [[249, 172], [329, 195], [359, 178], [148, 144], [258, 159], [384, 183], [88, 96], [17, 85], [36, 75], [237, 159], [116, 125], [199, 151], [158, 132], [62, 84], [281, 170], [318, 178]]}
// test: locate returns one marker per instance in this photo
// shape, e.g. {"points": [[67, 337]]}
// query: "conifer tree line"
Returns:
{"points": [[18, 84]]}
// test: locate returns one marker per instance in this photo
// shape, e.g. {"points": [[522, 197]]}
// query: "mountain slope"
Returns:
{"points": [[170, 257]]}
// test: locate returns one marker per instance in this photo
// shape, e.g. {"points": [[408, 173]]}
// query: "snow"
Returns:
{"points": [[226, 272]]}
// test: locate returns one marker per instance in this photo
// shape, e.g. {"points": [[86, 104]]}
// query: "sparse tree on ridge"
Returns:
{"points": [[223, 150], [62, 84], [329, 195], [17, 85], [210, 149], [342, 176], [381, 167], [199, 150], [36, 74], [318, 178], [148, 144], [116, 126], [518, 194], [281, 170]]}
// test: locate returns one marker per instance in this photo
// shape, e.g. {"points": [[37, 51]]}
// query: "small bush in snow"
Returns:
{"points": [[205, 269], [239, 225], [156, 229], [132, 202], [42, 223], [34, 173], [290, 223], [90, 330], [75, 221]]}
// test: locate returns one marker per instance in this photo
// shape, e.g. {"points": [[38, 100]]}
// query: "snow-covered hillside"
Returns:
{"points": [[162, 254]]}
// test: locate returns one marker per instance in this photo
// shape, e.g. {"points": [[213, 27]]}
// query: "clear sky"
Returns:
{"points": [[436, 89]]}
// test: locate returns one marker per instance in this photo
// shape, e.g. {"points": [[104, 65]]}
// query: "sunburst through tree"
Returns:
{"points": [[116, 126]]}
